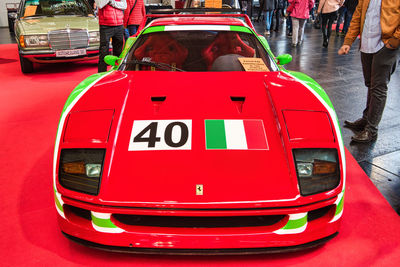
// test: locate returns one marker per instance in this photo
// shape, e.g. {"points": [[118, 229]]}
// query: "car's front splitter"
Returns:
{"points": [[291, 230]]}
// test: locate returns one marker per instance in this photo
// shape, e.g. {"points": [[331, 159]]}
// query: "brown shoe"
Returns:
{"points": [[357, 125], [364, 137]]}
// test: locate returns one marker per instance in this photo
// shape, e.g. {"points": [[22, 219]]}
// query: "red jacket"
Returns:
{"points": [[110, 16], [301, 8], [137, 14]]}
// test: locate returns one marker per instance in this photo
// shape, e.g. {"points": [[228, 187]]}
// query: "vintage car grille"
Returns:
{"points": [[68, 39]]}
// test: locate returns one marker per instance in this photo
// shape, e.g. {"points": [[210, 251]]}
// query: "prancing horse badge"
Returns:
{"points": [[199, 189]]}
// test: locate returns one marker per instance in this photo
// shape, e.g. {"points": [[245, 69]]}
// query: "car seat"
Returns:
{"points": [[161, 47], [226, 43]]}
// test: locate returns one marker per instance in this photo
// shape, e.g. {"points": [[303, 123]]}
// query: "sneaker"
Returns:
{"points": [[289, 34], [266, 33], [294, 45]]}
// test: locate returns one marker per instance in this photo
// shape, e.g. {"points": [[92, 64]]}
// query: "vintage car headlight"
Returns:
{"points": [[35, 40], [94, 37], [317, 170], [80, 169]]}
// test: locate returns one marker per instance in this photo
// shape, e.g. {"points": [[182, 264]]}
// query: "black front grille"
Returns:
{"points": [[83, 213], [318, 213], [198, 222]]}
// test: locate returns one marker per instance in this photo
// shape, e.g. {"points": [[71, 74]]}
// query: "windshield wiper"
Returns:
{"points": [[160, 65]]}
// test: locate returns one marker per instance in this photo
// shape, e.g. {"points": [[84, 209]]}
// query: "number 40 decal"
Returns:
{"points": [[161, 135]]}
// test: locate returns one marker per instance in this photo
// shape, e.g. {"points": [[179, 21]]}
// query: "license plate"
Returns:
{"points": [[71, 53]]}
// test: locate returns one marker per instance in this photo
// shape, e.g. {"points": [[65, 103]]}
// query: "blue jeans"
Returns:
{"points": [[342, 14], [268, 19], [131, 30], [347, 18]]}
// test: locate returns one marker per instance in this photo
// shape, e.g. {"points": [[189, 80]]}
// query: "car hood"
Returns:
{"points": [[149, 177], [42, 25]]}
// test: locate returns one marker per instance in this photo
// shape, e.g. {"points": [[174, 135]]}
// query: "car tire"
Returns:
{"points": [[26, 64]]}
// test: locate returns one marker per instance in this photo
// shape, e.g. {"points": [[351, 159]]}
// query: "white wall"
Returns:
{"points": [[3, 12]]}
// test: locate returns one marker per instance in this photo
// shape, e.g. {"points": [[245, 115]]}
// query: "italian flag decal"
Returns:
{"points": [[235, 134]]}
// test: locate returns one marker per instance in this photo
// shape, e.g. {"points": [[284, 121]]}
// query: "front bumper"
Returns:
{"points": [[49, 56], [315, 223]]}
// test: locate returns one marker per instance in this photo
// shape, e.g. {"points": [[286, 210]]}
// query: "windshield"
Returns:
{"points": [[212, 4], [35, 8], [198, 51]]}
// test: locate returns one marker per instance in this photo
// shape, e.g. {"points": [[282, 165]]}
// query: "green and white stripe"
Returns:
{"points": [[102, 222], [297, 224], [59, 203], [339, 207], [73, 98]]}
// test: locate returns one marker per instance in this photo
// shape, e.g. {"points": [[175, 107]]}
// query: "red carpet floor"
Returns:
{"points": [[29, 112]]}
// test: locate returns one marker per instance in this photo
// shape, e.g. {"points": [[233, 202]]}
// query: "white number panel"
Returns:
{"points": [[161, 135]]}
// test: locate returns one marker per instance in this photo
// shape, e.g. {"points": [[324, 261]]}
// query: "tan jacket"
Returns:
{"points": [[390, 22], [329, 6]]}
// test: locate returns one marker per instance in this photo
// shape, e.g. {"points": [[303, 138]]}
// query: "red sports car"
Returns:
{"points": [[199, 141]]}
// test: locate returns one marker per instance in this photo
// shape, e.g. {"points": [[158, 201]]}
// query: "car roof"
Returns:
{"points": [[196, 20]]}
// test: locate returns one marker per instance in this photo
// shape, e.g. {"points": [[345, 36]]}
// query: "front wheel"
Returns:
{"points": [[26, 64]]}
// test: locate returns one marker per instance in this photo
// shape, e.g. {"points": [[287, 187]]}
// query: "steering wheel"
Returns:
{"points": [[226, 6]]}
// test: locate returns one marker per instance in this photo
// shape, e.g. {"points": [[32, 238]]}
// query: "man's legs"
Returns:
{"points": [[377, 69], [118, 40], [342, 12], [383, 65], [347, 19], [105, 34]]}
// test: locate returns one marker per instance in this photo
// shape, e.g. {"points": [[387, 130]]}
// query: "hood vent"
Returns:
{"points": [[157, 101], [238, 101]]}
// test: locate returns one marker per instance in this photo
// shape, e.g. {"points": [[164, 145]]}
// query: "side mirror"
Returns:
{"points": [[284, 59], [110, 60]]}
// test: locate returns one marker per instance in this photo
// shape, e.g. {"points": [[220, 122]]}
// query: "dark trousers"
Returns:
{"points": [[276, 19], [327, 20], [117, 35], [377, 69]]}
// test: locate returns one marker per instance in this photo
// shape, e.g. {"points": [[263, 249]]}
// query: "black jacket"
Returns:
{"points": [[267, 5], [351, 5]]}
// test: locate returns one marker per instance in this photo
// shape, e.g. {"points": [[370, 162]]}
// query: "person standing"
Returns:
{"points": [[111, 20], [268, 7], [133, 16], [350, 8], [340, 16], [279, 7], [328, 10], [300, 13], [378, 24]]}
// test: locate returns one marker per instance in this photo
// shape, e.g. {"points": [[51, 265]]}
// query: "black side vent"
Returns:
{"points": [[157, 101], [239, 101], [158, 98]]}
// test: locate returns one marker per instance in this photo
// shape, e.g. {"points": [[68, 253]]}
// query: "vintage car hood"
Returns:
{"points": [[42, 25], [149, 177]]}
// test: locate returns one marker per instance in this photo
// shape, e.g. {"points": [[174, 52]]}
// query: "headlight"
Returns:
{"points": [[36, 40], [94, 37], [80, 169], [317, 170]]}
